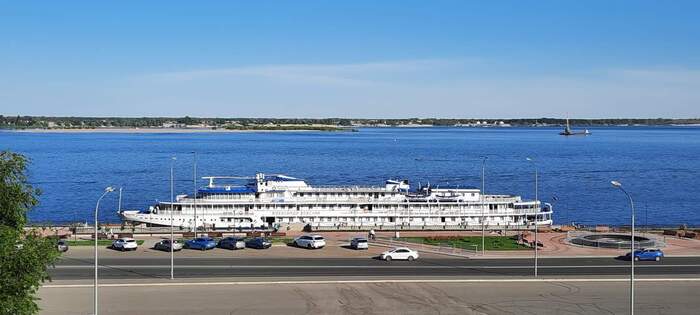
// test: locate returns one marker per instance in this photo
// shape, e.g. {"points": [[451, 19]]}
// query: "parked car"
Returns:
{"points": [[62, 246], [399, 253], [202, 243], [164, 245], [258, 242], [232, 242], [310, 241], [359, 243], [647, 254], [125, 243]]}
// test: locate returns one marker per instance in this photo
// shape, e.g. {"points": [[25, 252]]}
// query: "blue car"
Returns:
{"points": [[202, 243], [647, 254]]}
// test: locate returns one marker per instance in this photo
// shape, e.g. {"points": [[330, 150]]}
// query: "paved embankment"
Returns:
{"points": [[601, 296]]}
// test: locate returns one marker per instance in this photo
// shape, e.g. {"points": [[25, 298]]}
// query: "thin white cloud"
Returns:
{"points": [[351, 74]]}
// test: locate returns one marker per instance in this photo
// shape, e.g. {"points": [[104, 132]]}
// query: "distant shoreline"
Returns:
{"points": [[153, 130], [199, 124]]}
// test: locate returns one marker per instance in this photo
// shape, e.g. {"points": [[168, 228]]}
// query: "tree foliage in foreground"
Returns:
{"points": [[24, 256]]}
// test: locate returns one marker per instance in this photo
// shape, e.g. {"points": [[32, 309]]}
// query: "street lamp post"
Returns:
{"points": [[97, 207], [483, 229], [172, 208], [194, 182], [618, 185], [537, 213]]}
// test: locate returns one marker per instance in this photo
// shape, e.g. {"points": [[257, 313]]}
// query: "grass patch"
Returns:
{"points": [[468, 242], [92, 243], [282, 240]]}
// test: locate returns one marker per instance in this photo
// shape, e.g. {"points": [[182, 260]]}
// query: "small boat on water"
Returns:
{"points": [[569, 132]]}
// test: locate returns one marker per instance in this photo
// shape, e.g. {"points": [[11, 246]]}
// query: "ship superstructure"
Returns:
{"points": [[279, 200]]}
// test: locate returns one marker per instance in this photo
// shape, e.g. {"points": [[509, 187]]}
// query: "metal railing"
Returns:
{"points": [[421, 245]]}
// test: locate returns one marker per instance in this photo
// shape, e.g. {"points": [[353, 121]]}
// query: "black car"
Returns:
{"points": [[164, 245], [258, 242], [231, 242]]}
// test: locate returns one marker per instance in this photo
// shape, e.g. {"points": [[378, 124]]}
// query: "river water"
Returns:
{"points": [[659, 166]]}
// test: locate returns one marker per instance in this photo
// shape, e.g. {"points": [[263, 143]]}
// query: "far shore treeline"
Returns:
{"points": [[47, 122]]}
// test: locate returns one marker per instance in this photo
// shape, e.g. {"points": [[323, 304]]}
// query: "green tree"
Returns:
{"points": [[24, 255]]}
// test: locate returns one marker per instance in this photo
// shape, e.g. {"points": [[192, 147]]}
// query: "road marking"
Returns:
{"points": [[238, 283], [358, 266]]}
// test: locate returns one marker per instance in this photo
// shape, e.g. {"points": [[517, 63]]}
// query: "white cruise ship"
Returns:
{"points": [[268, 201]]}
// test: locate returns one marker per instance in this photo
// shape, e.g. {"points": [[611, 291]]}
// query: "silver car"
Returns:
{"points": [[62, 246], [164, 245], [359, 243]]}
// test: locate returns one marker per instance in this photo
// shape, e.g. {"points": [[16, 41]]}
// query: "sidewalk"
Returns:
{"points": [[555, 246]]}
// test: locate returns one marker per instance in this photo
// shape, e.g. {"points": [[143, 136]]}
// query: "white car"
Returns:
{"points": [[125, 243], [310, 241], [359, 243], [399, 253]]}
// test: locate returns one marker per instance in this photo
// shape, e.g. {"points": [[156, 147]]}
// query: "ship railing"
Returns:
{"points": [[340, 199], [344, 188], [442, 247], [432, 226]]}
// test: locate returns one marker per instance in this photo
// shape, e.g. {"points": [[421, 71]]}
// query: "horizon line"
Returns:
{"points": [[352, 118]]}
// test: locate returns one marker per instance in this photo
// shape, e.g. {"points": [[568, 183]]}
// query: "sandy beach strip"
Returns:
{"points": [[151, 130]]}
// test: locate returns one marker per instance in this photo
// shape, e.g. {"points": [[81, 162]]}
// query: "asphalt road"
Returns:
{"points": [[157, 267]]}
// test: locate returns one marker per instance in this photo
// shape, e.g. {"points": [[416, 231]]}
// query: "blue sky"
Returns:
{"points": [[487, 59]]}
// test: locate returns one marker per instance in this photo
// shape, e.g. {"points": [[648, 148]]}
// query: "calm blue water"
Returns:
{"points": [[660, 167]]}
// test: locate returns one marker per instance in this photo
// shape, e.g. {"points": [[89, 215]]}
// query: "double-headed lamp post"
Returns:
{"points": [[618, 185], [483, 197], [97, 207], [172, 209], [537, 213]]}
